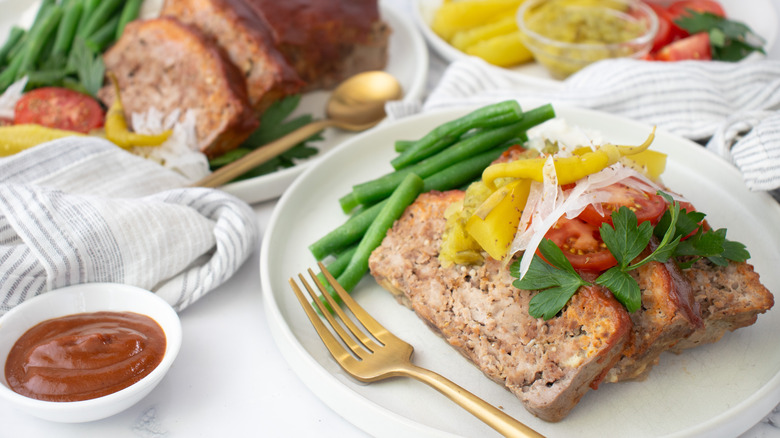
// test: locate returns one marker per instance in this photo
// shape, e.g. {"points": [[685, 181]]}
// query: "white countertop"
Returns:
{"points": [[230, 380]]}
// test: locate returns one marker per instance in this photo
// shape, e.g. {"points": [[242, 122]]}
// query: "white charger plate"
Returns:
{"points": [[721, 389], [760, 15], [407, 61]]}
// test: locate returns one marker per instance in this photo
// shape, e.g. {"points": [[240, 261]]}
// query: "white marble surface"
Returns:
{"points": [[230, 379]]}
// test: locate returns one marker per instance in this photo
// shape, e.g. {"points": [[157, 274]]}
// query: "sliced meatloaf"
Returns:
{"points": [[669, 313], [247, 41], [169, 65], [549, 365], [327, 41], [730, 297]]}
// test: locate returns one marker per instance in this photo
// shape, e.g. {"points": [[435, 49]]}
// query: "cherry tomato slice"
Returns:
{"points": [[695, 47], [581, 244], [59, 108], [681, 7], [646, 206]]}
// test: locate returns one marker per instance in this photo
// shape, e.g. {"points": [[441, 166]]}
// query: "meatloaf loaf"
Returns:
{"points": [[549, 365], [166, 64], [327, 41], [247, 41]]}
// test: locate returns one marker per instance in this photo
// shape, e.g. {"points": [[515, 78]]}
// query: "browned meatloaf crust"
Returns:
{"points": [[730, 297], [247, 41], [327, 41], [169, 65], [549, 365]]}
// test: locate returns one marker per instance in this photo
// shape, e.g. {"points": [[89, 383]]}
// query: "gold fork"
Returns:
{"points": [[369, 361]]}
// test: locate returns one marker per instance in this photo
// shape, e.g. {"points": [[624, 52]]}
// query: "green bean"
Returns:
{"points": [[129, 13], [402, 145], [8, 76], [402, 196], [349, 232], [14, 36], [104, 36], [102, 13], [43, 78], [88, 10], [67, 29], [37, 40], [42, 9], [335, 268], [497, 114], [375, 190], [450, 178], [463, 172]]}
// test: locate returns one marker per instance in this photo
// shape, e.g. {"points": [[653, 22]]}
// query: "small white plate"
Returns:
{"points": [[714, 390], [760, 16], [87, 298], [407, 61]]}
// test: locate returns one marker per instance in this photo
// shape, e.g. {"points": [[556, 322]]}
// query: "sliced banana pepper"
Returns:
{"points": [[16, 138], [568, 169], [116, 126]]}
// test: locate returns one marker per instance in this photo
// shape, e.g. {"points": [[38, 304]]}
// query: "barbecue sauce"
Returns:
{"points": [[84, 356]]}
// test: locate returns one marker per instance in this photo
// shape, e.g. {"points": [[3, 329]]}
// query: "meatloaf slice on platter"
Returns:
{"points": [[327, 41], [248, 42], [548, 365], [166, 64]]}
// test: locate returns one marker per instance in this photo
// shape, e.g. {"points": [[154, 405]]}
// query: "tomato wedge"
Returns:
{"points": [[694, 47], [646, 206], [581, 244], [681, 7], [665, 34], [59, 108]]}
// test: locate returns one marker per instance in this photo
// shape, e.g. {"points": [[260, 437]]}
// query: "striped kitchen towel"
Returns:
{"points": [[732, 106], [80, 210]]}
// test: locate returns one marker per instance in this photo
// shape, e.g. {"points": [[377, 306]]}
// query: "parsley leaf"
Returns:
{"points": [[729, 40], [623, 286], [89, 67], [557, 280]]}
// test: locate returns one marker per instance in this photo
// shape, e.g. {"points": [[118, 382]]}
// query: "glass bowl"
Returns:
{"points": [[86, 298], [567, 35]]}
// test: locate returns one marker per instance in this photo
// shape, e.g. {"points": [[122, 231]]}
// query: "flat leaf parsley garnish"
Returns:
{"points": [[729, 40], [557, 281]]}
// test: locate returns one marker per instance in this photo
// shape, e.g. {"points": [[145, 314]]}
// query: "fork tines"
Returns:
{"points": [[358, 342]]}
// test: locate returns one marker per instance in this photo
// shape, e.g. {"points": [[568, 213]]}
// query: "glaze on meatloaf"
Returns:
{"points": [[166, 64], [247, 41], [326, 41], [549, 365]]}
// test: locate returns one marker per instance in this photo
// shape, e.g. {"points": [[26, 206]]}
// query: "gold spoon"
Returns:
{"points": [[356, 104]]}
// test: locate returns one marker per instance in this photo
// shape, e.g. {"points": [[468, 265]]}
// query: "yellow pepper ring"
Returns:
{"points": [[116, 126], [568, 169]]}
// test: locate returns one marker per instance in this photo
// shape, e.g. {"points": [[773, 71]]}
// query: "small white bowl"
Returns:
{"points": [[82, 298]]}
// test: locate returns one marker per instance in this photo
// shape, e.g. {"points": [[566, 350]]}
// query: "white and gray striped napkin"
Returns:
{"points": [[735, 106], [81, 210]]}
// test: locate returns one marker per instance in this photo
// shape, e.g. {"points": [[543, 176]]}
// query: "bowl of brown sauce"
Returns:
{"points": [[86, 352]]}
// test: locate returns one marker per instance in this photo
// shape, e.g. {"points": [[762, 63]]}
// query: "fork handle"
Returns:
{"points": [[492, 416]]}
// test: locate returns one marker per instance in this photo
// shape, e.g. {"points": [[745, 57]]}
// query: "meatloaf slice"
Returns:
{"points": [[669, 313], [730, 297], [549, 365], [247, 41], [327, 41], [169, 65]]}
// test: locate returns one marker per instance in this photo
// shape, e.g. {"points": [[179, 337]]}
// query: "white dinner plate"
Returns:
{"points": [[714, 390], [407, 61], [759, 15]]}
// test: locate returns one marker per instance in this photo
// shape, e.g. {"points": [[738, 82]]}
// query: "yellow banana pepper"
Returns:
{"points": [[117, 131], [568, 169], [16, 138]]}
